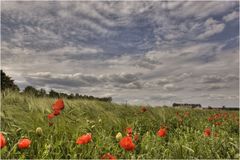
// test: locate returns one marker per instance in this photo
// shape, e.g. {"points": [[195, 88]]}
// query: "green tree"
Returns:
{"points": [[42, 93], [7, 82], [31, 90], [53, 94]]}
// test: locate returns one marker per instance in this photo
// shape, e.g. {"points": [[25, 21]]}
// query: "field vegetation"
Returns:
{"points": [[155, 132]]}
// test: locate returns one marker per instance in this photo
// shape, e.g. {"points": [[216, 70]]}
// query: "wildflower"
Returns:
{"points": [[119, 136], [136, 137], [127, 144], [108, 156], [58, 105], [50, 116], [207, 132], [24, 143], [162, 132], [180, 120], [216, 116], [39, 131], [186, 114], [56, 112], [2, 141], [129, 131], [143, 109], [84, 139], [210, 119], [217, 123]]}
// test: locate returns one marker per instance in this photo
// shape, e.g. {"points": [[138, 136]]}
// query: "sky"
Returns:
{"points": [[146, 53]]}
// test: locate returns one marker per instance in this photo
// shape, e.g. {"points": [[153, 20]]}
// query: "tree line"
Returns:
{"points": [[8, 84]]}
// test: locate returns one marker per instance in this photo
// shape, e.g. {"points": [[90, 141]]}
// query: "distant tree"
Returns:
{"points": [[71, 96], [42, 93], [90, 97], [53, 94], [30, 90], [107, 99], [77, 96], [63, 95], [7, 82]]}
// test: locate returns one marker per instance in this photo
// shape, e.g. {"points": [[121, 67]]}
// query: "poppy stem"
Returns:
{"points": [[15, 145]]}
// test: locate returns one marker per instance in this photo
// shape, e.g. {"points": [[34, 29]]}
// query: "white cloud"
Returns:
{"points": [[231, 16], [203, 9], [171, 87], [212, 27]]}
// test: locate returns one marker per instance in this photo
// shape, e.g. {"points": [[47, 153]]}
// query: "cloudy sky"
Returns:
{"points": [[142, 52]]}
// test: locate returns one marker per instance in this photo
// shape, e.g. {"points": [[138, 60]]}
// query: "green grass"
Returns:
{"points": [[21, 115]]}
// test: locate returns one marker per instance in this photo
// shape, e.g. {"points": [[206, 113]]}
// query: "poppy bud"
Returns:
{"points": [[119, 136], [39, 131]]}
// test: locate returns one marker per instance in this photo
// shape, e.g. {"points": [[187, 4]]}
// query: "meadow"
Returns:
{"points": [[190, 133]]}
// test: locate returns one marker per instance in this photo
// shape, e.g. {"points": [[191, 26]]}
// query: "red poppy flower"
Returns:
{"points": [[207, 132], [129, 131], [127, 144], [216, 116], [24, 143], [84, 139], [58, 105], [56, 112], [2, 141], [50, 116], [210, 118], [50, 123], [108, 156], [162, 132]]}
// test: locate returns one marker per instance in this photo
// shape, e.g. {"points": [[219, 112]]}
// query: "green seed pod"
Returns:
{"points": [[39, 131], [119, 136]]}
